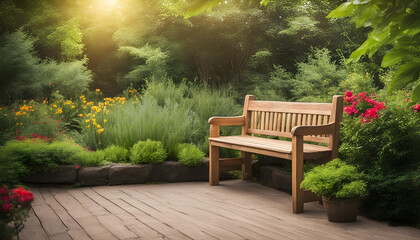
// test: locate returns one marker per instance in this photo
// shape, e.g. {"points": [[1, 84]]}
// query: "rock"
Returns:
{"points": [[281, 180], [63, 174], [93, 176], [265, 175], [171, 171], [129, 174], [274, 177]]}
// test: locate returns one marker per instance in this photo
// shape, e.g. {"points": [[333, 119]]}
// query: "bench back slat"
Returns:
{"points": [[278, 118]]}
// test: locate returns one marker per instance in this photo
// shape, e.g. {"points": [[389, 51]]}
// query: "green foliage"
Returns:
{"points": [[11, 170], [24, 76], [148, 152], [277, 88], [150, 64], [190, 155], [19, 158], [334, 179], [387, 150], [18, 68], [358, 80], [116, 154], [171, 124], [393, 23], [318, 79], [67, 38], [70, 79]]}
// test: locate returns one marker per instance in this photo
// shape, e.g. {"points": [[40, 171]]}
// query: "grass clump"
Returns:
{"points": [[190, 155], [148, 152], [116, 154]]}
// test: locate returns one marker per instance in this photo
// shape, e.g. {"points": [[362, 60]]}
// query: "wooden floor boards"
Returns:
{"points": [[233, 210]]}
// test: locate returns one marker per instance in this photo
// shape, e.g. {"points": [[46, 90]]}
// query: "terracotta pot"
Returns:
{"points": [[341, 209]]}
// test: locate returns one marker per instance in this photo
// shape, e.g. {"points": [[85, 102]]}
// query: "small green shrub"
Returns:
{"points": [[116, 154], [90, 159], [148, 152], [190, 155], [334, 179]]}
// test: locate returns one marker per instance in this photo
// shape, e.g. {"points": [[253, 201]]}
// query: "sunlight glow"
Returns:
{"points": [[110, 3]]}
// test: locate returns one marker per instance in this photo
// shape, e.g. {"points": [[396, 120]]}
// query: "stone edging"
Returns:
{"points": [[168, 171]]}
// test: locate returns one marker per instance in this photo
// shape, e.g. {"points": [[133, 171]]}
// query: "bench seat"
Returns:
{"points": [[269, 147]]}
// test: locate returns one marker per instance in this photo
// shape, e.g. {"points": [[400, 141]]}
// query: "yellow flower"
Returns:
{"points": [[100, 130], [5, 114], [72, 106], [98, 126], [105, 120], [98, 90], [80, 115], [88, 126], [87, 120], [54, 105]]}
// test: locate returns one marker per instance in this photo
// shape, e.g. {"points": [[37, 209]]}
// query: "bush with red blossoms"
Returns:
{"points": [[14, 209], [416, 108], [361, 105]]}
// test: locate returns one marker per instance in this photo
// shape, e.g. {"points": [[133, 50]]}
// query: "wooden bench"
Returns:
{"points": [[312, 122]]}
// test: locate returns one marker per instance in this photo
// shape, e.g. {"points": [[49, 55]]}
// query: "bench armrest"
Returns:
{"points": [[227, 121], [313, 130]]}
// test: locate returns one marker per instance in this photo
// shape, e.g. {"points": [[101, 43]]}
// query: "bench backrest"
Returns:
{"points": [[278, 118]]}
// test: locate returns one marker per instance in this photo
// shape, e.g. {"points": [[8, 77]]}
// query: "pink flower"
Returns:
{"points": [[416, 108], [77, 166]]}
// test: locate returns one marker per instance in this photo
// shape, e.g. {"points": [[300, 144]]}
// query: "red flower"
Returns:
{"points": [[416, 108], [23, 195], [77, 166]]}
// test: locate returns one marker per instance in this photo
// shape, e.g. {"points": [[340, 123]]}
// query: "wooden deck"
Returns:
{"points": [[194, 210]]}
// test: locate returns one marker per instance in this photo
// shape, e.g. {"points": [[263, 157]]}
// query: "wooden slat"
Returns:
{"points": [[258, 120], [262, 121], [275, 121], [252, 119], [299, 120], [283, 122], [288, 122], [304, 118], [290, 107], [230, 164], [270, 124], [293, 120]]}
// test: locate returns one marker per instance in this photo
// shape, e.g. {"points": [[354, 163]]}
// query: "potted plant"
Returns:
{"points": [[340, 186]]}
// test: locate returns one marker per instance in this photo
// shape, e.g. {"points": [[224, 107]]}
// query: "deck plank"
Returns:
{"points": [[233, 210]]}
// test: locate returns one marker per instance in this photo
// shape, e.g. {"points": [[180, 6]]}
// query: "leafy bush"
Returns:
{"points": [[148, 152], [116, 154], [334, 179], [190, 155], [387, 149], [24, 75], [37, 155], [318, 79]]}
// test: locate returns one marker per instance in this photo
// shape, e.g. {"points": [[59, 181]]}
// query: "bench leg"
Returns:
{"points": [[297, 174], [214, 165], [246, 166]]}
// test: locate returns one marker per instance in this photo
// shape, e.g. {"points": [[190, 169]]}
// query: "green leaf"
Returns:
{"points": [[344, 10], [395, 56], [201, 6], [406, 74], [264, 2], [415, 94]]}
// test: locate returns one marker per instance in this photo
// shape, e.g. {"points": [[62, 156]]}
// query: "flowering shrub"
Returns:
{"points": [[387, 150], [14, 208], [362, 105]]}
